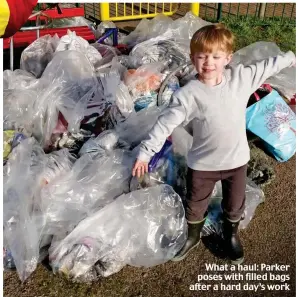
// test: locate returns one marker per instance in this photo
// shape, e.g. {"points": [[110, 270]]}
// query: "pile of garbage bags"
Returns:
{"points": [[74, 117]]}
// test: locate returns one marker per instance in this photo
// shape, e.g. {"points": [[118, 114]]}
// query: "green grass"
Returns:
{"points": [[248, 30]]}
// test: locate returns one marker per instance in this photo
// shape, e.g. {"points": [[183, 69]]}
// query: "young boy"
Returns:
{"points": [[215, 105]]}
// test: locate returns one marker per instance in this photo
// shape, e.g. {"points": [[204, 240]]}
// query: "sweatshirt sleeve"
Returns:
{"points": [[172, 117], [255, 75]]}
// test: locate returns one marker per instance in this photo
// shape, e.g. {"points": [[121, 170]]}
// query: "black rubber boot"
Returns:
{"points": [[233, 245], [193, 239]]}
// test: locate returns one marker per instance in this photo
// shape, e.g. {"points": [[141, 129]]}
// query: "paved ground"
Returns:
{"points": [[269, 239]]}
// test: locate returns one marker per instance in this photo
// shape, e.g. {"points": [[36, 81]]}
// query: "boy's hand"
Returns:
{"points": [[140, 168]]}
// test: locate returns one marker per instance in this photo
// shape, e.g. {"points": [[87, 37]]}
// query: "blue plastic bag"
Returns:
{"points": [[273, 121]]}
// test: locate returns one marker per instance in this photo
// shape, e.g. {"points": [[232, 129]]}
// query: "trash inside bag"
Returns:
{"points": [[105, 141], [107, 52], [68, 85], [11, 139], [144, 80], [38, 54], [148, 228], [124, 100], [160, 49]]}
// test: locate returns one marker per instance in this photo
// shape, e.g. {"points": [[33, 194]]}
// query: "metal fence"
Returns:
{"points": [[133, 11], [216, 11]]}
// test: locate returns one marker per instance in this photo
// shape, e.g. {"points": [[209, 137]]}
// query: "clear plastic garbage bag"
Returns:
{"points": [[147, 29], [93, 182], [20, 184], [144, 80], [18, 109], [68, 85], [73, 42], [23, 220], [18, 79], [106, 141], [284, 81], [137, 126], [143, 228], [38, 54]]}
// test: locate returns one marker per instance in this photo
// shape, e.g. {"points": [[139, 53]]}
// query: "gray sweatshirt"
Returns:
{"points": [[217, 115]]}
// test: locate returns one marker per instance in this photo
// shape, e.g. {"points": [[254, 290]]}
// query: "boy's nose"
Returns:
{"points": [[208, 60]]}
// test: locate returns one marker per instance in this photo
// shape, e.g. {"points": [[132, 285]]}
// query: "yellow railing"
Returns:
{"points": [[131, 11]]}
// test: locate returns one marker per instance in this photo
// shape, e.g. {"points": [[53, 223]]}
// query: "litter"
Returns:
{"points": [[74, 117]]}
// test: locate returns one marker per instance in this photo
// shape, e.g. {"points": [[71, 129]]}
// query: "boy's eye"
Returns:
{"points": [[216, 58]]}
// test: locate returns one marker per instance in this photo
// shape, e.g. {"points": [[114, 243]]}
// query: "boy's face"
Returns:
{"points": [[211, 65]]}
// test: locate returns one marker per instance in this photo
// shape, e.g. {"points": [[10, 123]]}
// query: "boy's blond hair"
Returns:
{"points": [[212, 37]]}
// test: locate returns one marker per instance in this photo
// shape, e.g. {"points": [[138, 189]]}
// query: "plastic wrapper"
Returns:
{"points": [[213, 224], [11, 139], [18, 79], [144, 80], [38, 54], [284, 81], [148, 228], [73, 88], [23, 220], [92, 183], [106, 141]]}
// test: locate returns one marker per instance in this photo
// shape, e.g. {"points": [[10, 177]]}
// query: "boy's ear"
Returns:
{"points": [[229, 58], [191, 58]]}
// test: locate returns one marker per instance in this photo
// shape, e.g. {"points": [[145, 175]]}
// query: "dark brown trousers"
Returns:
{"points": [[200, 185]]}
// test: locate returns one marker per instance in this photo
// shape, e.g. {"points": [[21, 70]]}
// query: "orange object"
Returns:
{"points": [[142, 81]]}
